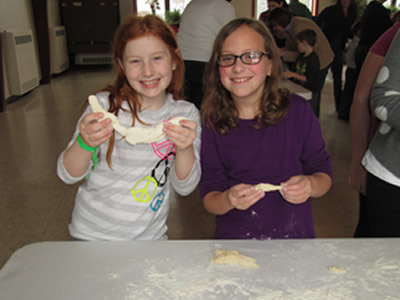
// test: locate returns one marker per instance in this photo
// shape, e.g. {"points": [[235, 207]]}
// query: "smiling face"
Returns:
{"points": [[245, 82], [148, 67]]}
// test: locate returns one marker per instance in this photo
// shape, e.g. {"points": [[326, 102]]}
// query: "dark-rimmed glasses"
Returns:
{"points": [[248, 58]]}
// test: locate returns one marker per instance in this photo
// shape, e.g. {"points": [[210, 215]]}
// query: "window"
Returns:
{"points": [[178, 4], [143, 7]]}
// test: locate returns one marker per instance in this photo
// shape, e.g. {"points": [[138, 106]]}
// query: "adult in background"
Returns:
{"points": [[336, 22], [363, 124], [299, 9], [382, 160], [271, 4], [286, 26], [374, 22], [200, 22]]}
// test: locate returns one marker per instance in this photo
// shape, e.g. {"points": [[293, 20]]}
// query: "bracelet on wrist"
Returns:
{"points": [[88, 148]]}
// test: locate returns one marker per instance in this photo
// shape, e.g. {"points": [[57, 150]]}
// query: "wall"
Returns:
{"points": [[324, 3], [243, 8], [17, 14]]}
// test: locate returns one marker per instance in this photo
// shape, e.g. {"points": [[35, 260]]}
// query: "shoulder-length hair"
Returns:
{"points": [[131, 28], [352, 10], [218, 109]]}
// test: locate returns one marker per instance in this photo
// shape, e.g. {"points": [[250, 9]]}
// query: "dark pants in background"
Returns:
{"points": [[193, 85], [362, 229], [316, 94], [337, 70], [347, 95], [383, 208]]}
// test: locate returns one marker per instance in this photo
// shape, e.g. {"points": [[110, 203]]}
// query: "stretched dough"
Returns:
{"points": [[234, 257], [133, 135], [266, 187]]}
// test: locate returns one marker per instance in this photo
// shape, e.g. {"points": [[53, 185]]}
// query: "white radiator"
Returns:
{"points": [[20, 60], [59, 60]]}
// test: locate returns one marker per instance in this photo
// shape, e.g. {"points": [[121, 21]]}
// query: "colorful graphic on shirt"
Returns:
{"points": [[301, 68], [144, 189], [163, 149], [157, 201]]}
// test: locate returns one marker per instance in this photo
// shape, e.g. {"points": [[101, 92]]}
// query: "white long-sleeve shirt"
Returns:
{"points": [[199, 25], [125, 202]]}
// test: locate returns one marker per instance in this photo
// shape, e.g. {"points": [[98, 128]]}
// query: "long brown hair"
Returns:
{"points": [[218, 109], [134, 27]]}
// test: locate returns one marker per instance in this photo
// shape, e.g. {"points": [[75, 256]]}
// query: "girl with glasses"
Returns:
{"points": [[254, 133]]}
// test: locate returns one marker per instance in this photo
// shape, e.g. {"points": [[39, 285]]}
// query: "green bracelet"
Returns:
{"points": [[88, 148]]}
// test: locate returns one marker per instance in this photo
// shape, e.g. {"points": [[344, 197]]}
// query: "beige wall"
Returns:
{"points": [[242, 8], [324, 3]]}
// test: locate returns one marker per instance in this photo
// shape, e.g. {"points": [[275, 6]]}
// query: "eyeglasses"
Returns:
{"points": [[248, 58]]}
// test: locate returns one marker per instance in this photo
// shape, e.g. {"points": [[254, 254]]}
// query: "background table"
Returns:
{"points": [[289, 269], [295, 88]]}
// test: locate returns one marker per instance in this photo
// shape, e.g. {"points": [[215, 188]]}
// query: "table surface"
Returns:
{"points": [[295, 88], [289, 269]]}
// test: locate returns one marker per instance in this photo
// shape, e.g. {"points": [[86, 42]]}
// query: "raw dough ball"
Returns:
{"points": [[234, 257], [337, 270]]}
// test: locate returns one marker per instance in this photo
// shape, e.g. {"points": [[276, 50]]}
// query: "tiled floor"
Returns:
{"points": [[36, 206]]}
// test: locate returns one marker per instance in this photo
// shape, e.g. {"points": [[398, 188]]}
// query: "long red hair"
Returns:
{"points": [[131, 28]]}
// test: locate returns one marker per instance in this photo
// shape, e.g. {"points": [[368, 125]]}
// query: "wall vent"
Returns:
{"points": [[20, 61], [59, 60]]}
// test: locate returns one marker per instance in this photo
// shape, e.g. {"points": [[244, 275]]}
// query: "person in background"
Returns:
{"points": [[271, 4], [396, 16], [200, 22], [382, 159], [351, 76], [286, 26], [299, 9], [307, 64], [126, 192], [253, 133], [336, 22], [374, 22], [363, 125]]}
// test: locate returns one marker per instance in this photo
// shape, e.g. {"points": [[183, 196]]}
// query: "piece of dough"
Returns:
{"points": [[337, 270], [266, 187], [96, 107], [133, 135], [234, 257]]}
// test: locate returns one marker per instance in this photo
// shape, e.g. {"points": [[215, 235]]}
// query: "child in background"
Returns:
{"points": [[255, 133], [126, 196], [351, 76], [307, 64]]}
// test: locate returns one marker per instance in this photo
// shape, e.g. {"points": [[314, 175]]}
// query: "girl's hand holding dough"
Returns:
{"points": [[297, 189], [93, 131], [242, 196]]}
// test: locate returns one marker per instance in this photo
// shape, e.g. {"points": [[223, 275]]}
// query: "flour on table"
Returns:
{"points": [[133, 135], [337, 270], [234, 257]]}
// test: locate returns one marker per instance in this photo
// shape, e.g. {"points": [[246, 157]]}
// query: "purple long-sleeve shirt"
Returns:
{"points": [[271, 154]]}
